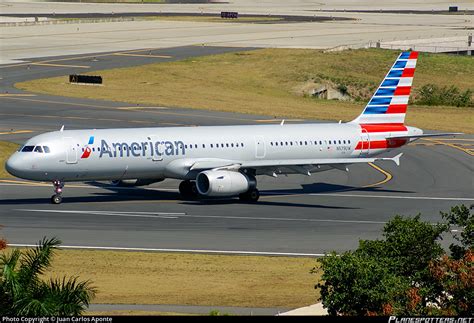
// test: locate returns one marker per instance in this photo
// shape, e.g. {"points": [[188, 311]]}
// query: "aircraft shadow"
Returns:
{"points": [[119, 194], [331, 188]]}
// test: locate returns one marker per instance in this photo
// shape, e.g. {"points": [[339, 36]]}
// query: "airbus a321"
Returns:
{"points": [[223, 161]]}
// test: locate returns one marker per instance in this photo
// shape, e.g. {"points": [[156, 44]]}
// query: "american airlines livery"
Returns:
{"points": [[223, 161]]}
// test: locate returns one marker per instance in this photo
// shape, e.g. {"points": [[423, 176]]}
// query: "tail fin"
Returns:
{"points": [[389, 103]]}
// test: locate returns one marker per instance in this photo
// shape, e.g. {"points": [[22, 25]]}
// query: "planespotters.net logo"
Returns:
{"points": [[394, 319]]}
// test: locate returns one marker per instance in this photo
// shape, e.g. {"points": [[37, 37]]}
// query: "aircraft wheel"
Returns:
{"points": [[56, 199], [250, 196], [188, 189]]}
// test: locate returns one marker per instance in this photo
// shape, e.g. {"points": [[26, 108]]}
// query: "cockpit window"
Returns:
{"points": [[28, 149], [38, 149], [46, 149]]}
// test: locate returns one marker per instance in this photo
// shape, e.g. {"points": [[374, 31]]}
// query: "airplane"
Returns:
{"points": [[223, 161]]}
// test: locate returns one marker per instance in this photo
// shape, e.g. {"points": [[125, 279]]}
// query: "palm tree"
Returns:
{"points": [[22, 292]]}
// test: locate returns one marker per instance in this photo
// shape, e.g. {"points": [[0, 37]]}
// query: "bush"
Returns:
{"points": [[405, 273], [431, 94]]}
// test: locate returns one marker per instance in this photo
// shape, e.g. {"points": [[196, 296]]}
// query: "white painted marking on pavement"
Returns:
{"points": [[161, 215], [231, 252], [397, 197]]}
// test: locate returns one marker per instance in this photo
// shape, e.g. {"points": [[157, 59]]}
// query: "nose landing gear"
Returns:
{"points": [[58, 189]]}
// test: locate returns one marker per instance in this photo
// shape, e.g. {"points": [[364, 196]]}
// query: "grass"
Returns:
{"points": [[268, 81], [6, 149], [115, 1], [134, 313], [191, 279]]}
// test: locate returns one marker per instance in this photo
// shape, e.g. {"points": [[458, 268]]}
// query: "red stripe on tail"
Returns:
{"points": [[397, 108], [402, 90], [408, 72]]}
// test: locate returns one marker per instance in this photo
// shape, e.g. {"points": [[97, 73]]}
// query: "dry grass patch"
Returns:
{"points": [[192, 279], [134, 313], [6, 149], [264, 82]]}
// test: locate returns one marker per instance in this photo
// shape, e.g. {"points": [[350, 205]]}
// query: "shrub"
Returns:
{"points": [[431, 94]]}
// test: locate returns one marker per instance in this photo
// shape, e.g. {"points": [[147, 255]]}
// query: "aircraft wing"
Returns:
{"points": [[233, 164]]}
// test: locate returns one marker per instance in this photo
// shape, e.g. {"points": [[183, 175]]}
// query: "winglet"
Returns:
{"points": [[396, 159], [62, 128]]}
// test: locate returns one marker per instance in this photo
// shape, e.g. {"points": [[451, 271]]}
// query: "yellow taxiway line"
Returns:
{"points": [[75, 58], [15, 132], [388, 176], [60, 65], [467, 151], [3, 95], [143, 55]]}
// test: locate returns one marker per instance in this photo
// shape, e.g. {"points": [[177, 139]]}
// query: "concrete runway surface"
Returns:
{"points": [[296, 215], [413, 28]]}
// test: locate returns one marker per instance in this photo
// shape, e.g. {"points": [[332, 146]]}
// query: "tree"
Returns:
{"points": [[457, 279], [461, 218], [22, 292], [407, 272]]}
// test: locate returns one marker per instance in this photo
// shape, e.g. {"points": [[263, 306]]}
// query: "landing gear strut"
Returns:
{"points": [[58, 189], [188, 189]]}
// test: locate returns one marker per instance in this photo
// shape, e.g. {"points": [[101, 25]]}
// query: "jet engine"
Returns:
{"points": [[223, 183], [135, 182]]}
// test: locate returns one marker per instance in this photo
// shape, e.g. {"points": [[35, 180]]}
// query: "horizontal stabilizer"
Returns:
{"points": [[426, 135]]}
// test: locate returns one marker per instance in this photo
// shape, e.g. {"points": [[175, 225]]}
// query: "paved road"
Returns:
{"points": [[296, 214]]}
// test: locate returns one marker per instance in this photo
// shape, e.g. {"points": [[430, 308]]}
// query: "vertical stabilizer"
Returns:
{"points": [[389, 103]]}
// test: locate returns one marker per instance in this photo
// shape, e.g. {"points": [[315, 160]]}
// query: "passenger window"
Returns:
{"points": [[212, 146], [203, 146], [349, 141], [232, 145], [38, 149], [227, 145], [271, 143], [28, 149], [329, 141], [276, 143], [242, 144], [237, 145], [320, 142], [291, 143], [339, 142], [301, 143]]}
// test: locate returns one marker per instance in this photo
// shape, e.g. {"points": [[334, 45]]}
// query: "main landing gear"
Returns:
{"points": [[188, 189], [251, 196], [58, 189]]}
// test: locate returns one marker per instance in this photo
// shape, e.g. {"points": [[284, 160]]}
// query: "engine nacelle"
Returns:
{"points": [[222, 183], [134, 182]]}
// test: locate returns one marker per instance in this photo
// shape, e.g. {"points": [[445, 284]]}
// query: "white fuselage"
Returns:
{"points": [[157, 153]]}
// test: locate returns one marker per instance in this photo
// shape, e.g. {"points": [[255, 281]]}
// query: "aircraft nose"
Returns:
{"points": [[15, 165]]}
